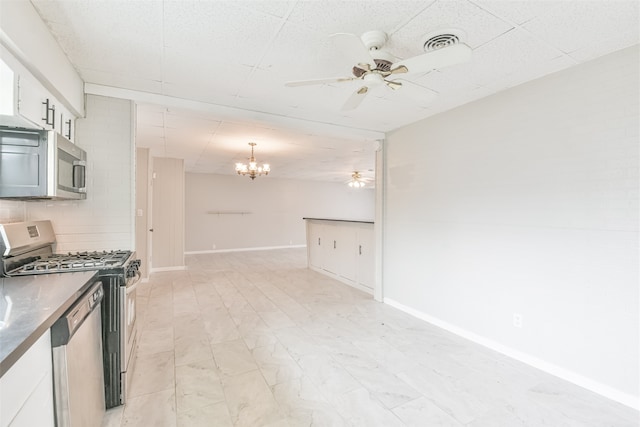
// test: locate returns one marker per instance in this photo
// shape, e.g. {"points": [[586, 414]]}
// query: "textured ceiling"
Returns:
{"points": [[218, 68]]}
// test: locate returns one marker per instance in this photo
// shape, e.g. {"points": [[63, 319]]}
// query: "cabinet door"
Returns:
{"points": [[331, 263], [26, 389], [346, 252], [8, 89], [316, 237], [32, 104], [366, 257], [65, 123], [38, 409]]}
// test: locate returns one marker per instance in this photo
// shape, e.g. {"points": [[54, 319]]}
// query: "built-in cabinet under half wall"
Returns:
{"points": [[342, 249]]}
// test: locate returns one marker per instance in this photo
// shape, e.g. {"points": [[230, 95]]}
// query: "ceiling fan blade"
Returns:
{"points": [[351, 49], [436, 59], [355, 99], [395, 85], [419, 94], [319, 81], [399, 70], [363, 66]]}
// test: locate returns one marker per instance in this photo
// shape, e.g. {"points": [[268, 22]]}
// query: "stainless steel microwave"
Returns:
{"points": [[40, 164]]}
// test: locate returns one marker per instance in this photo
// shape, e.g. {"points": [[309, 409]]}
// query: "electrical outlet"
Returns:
{"points": [[517, 320], [213, 246]]}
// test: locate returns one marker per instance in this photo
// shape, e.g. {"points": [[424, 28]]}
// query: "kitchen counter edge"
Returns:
{"points": [[76, 284]]}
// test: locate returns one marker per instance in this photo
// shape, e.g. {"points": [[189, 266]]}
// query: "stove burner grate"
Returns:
{"points": [[73, 262]]}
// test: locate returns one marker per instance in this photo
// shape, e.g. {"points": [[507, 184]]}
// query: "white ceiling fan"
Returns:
{"points": [[377, 67]]}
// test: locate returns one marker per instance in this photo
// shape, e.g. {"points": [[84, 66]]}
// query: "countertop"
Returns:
{"points": [[340, 220], [37, 302]]}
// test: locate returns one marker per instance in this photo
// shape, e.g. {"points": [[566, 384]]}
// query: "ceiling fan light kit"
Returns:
{"points": [[252, 169], [376, 67], [356, 180]]}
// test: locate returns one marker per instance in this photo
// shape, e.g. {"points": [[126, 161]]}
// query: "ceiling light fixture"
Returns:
{"points": [[252, 169], [356, 180]]}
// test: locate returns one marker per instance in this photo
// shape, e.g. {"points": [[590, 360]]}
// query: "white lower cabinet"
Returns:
{"points": [[366, 257], [26, 389], [314, 247], [330, 237], [345, 254], [344, 250]]}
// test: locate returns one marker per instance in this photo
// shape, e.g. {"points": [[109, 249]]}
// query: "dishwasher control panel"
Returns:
{"points": [[95, 297]]}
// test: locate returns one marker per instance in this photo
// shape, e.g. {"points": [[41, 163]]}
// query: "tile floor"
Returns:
{"points": [[256, 339]]}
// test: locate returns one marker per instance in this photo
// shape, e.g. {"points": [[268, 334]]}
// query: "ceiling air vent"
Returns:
{"points": [[443, 38]]}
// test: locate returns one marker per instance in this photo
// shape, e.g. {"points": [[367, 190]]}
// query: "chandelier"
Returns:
{"points": [[252, 169], [356, 180]]}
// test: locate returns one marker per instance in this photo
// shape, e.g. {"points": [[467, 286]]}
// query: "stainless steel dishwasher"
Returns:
{"points": [[78, 376]]}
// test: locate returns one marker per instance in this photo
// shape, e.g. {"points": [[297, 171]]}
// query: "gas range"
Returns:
{"points": [[27, 249]]}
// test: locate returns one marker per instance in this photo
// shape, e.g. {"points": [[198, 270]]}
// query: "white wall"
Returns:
{"points": [[527, 202], [275, 208], [104, 221]]}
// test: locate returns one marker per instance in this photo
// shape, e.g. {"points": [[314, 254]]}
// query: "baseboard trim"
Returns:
{"points": [[565, 374], [342, 280], [260, 248], [162, 269]]}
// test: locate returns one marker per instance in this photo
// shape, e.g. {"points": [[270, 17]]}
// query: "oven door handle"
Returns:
{"points": [[132, 287]]}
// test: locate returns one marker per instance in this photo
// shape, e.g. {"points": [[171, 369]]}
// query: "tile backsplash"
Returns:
{"points": [[12, 211]]}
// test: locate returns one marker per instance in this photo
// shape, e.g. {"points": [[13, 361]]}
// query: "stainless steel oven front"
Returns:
{"points": [[129, 324], [120, 329]]}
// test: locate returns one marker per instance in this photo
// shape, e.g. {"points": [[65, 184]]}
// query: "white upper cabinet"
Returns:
{"points": [[34, 104], [65, 123], [26, 103], [39, 107], [8, 89]]}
